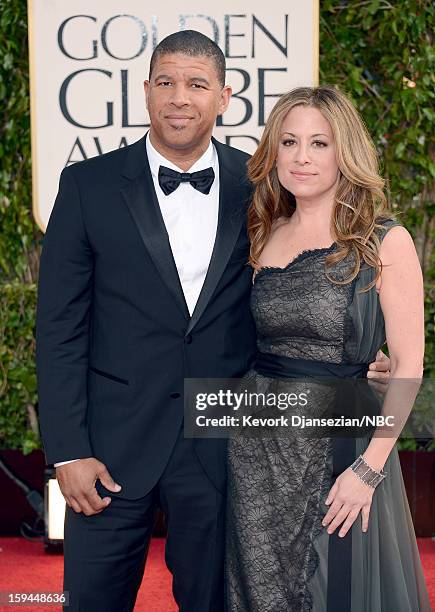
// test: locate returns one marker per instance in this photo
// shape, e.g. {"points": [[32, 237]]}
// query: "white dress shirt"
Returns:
{"points": [[191, 219]]}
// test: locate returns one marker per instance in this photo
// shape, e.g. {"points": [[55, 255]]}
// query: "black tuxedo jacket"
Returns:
{"points": [[114, 336]]}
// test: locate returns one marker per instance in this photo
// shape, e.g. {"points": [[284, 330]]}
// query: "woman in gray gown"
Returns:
{"points": [[322, 523]]}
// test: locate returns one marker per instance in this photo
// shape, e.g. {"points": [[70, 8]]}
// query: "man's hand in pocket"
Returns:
{"points": [[77, 483]]}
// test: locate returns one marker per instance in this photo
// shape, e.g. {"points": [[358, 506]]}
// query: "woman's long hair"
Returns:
{"points": [[360, 203]]}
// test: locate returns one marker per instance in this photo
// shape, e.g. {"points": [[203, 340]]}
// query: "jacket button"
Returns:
{"points": [[175, 395], [188, 339]]}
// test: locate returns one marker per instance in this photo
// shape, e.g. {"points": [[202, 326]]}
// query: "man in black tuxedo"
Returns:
{"points": [[143, 283]]}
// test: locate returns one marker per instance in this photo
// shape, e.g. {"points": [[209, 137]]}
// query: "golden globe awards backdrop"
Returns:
{"points": [[88, 61]]}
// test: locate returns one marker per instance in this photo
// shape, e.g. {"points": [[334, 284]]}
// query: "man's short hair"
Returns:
{"points": [[190, 42]]}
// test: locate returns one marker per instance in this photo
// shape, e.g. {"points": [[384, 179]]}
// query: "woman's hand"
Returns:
{"points": [[347, 498]]}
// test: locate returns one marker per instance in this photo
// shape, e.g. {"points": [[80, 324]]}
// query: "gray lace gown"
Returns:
{"points": [[279, 557]]}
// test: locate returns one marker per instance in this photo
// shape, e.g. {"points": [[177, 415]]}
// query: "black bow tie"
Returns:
{"points": [[170, 179]]}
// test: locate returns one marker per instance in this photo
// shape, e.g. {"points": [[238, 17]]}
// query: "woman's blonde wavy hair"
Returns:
{"points": [[360, 202]]}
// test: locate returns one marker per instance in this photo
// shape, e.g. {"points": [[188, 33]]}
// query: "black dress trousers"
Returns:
{"points": [[105, 553]]}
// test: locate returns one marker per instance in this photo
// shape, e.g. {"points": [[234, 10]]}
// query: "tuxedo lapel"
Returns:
{"points": [[232, 213], [141, 199]]}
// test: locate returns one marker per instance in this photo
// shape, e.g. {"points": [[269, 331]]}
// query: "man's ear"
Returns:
{"points": [[146, 86], [225, 99]]}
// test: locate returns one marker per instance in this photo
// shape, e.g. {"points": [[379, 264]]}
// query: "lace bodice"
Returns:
{"points": [[300, 313]]}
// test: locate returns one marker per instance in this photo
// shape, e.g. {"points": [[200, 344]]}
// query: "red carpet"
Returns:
{"points": [[24, 567]]}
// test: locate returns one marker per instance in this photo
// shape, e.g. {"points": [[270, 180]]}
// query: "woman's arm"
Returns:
{"points": [[401, 296], [402, 302]]}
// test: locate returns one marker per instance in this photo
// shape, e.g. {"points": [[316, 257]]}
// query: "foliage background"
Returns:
{"points": [[379, 52]]}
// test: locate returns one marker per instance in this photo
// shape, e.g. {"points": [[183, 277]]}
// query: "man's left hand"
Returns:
{"points": [[379, 372]]}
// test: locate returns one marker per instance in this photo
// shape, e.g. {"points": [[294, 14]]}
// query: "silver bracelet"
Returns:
{"points": [[366, 474]]}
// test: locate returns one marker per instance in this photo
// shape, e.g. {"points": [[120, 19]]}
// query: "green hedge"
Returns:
{"points": [[18, 426], [379, 52]]}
